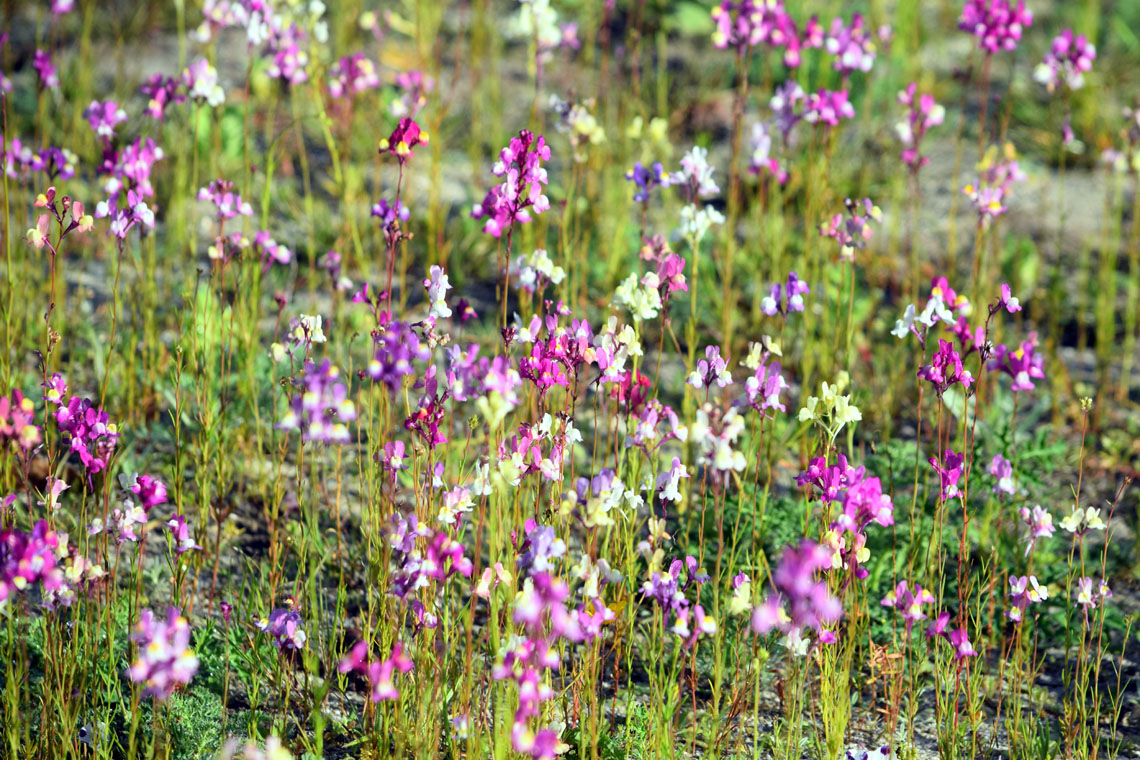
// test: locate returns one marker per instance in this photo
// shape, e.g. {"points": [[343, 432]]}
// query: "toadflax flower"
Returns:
{"points": [[321, 406], [1081, 521], [380, 674], [1023, 591], [799, 600], [284, 627], [922, 114], [521, 191], [164, 660], [1024, 364], [406, 136], [997, 24], [1069, 58], [1040, 525]]}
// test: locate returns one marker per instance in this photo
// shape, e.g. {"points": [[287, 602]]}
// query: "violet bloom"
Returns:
{"points": [[284, 628], [352, 75], [20, 161], [831, 480], [1022, 592], [540, 549], [956, 637], [49, 77], [89, 432], [17, 422], [104, 117], [520, 193], [180, 532], [908, 602], [1069, 58], [852, 46], [750, 23], [646, 179], [130, 169], [1002, 471], [784, 299], [161, 92], [761, 159], [321, 406], [949, 473], [828, 107], [1023, 364], [27, 559], [800, 601], [997, 24], [922, 114], [712, 369], [945, 369], [1040, 525], [388, 213], [853, 230], [378, 673], [787, 104], [227, 203], [164, 660], [396, 348], [764, 386]]}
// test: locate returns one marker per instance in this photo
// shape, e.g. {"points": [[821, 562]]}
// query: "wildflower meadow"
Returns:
{"points": [[584, 379]]}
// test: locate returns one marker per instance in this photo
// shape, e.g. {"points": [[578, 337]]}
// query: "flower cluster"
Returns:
{"points": [[800, 600], [284, 628], [1069, 58], [748, 23], [852, 46], [27, 559], [786, 298], [164, 660], [922, 114], [854, 230], [1023, 591], [104, 117], [352, 75], [945, 369], [761, 158], [997, 24], [380, 674], [406, 136], [645, 179], [995, 179], [1024, 364], [908, 602], [88, 431], [521, 192], [17, 422], [863, 502], [321, 407], [957, 637], [668, 589], [828, 107]]}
